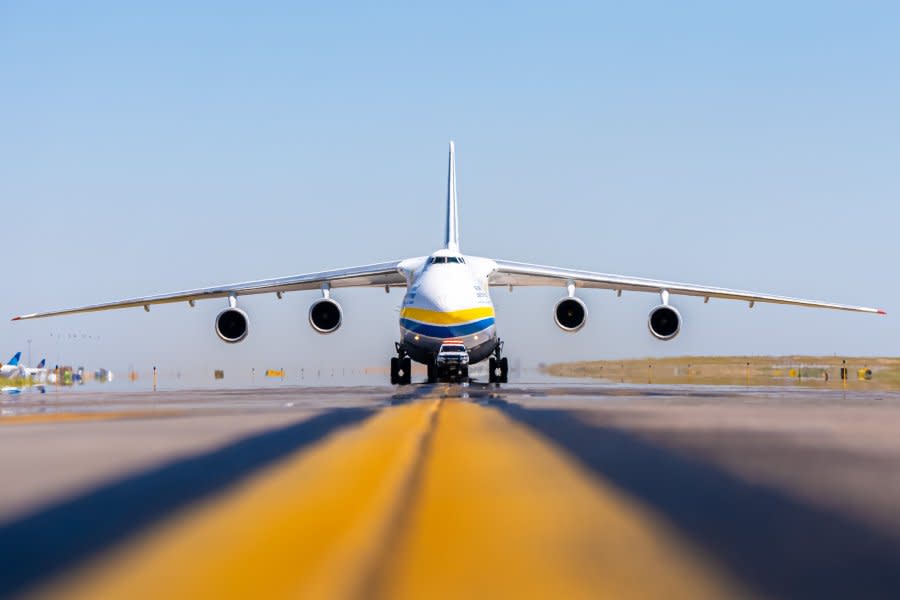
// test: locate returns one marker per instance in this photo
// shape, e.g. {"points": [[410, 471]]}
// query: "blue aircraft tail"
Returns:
{"points": [[42, 364], [14, 361]]}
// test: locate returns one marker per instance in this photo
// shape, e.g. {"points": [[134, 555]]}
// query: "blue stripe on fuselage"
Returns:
{"points": [[446, 331]]}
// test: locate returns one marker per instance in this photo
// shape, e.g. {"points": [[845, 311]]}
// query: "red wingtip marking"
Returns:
{"points": [[881, 312], [17, 318]]}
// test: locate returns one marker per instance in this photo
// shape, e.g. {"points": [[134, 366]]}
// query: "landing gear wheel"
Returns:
{"points": [[401, 367], [395, 370], [432, 373], [405, 374], [498, 370]]}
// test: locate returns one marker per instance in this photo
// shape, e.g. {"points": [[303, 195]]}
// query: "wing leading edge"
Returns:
{"points": [[375, 275], [524, 274]]}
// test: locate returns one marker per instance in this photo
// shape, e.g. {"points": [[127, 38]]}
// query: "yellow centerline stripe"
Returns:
{"points": [[447, 317], [502, 514], [308, 527], [493, 511]]}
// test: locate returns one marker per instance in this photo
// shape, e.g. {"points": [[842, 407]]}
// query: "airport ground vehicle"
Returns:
{"points": [[451, 362]]}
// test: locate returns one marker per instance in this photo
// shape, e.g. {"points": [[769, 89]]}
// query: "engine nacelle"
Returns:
{"points": [[232, 325], [664, 322], [325, 315], [570, 314]]}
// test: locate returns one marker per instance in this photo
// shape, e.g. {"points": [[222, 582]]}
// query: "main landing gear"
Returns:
{"points": [[498, 367], [401, 367], [432, 373]]}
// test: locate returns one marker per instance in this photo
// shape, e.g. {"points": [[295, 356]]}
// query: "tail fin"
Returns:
{"points": [[451, 233], [42, 364], [14, 361]]}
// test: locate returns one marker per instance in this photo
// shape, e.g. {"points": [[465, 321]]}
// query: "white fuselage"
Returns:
{"points": [[447, 298], [7, 371], [35, 373]]}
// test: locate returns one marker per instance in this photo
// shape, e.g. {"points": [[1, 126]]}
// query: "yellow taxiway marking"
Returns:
{"points": [[306, 528], [433, 499], [502, 514], [74, 417]]}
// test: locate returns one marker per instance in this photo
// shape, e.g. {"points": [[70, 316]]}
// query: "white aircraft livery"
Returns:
{"points": [[38, 373], [12, 368], [447, 302]]}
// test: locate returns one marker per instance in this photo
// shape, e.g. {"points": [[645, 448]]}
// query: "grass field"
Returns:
{"points": [[15, 381], [822, 371]]}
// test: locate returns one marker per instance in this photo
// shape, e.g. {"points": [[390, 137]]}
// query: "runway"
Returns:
{"points": [[574, 490]]}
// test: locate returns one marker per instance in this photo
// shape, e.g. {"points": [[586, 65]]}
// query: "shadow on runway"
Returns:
{"points": [[40, 545], [473, 390], [776, 545], [410, 393]]}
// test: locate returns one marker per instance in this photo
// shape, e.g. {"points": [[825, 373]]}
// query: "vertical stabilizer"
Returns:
{"points": [[15, 359], [451, 234]]}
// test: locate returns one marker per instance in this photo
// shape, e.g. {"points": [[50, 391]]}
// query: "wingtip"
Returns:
{"points": [[882, 312], [16, 319]]}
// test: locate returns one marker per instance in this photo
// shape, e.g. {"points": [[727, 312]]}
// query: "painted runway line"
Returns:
{"points": [[433, 498]]}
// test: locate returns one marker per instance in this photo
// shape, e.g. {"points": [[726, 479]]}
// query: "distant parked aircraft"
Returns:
{"points": [[38, 373], [12, 368]]}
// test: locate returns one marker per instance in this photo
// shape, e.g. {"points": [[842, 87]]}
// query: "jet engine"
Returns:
{"points": [[325, 315], [570, 314], [664, 322], [232, 325]]}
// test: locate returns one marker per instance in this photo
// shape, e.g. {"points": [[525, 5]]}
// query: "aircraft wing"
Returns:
{"points": [[376, 275], [523, 274]]}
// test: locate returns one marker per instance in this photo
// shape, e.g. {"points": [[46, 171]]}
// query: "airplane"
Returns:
{"points": [[39, 372], [12, 368], [448, 297]]}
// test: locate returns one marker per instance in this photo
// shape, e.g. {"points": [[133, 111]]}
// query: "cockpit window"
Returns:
{"points": [[440, 260]]}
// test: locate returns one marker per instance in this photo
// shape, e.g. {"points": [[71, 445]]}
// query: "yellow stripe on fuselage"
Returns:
{"points": [[450, 317]]}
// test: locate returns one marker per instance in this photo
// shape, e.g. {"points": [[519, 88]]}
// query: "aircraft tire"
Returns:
{"points": [[406, 366], [395, 370]]}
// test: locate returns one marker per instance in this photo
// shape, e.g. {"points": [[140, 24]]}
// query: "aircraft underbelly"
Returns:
{"points": [[449, 305]]}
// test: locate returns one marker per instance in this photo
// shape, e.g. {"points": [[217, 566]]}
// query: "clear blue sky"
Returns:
{"points": [[151, 147]]}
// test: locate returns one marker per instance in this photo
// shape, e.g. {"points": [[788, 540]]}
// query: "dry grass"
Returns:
{"points": [[15, 381], [740, 370]]}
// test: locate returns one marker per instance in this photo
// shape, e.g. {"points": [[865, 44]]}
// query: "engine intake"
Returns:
{"points": [[664, 322], [325, 315], [570, 314], [232, 325]]}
